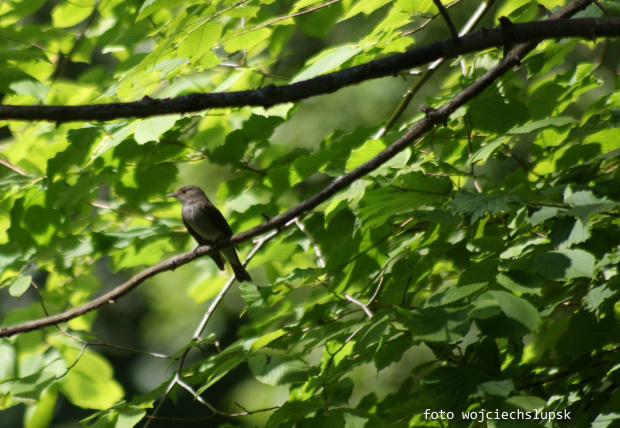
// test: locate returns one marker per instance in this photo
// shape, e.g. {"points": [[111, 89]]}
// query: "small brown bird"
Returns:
{"points": [[207, 224]]}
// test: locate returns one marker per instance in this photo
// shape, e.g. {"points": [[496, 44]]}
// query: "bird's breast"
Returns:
{"points": [[201, 223]]}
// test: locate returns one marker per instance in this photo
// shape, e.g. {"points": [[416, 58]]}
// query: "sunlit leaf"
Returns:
{"points": [[327, 61]]}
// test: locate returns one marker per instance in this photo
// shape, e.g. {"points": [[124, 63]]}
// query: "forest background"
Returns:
{"points": [[431, 221]]}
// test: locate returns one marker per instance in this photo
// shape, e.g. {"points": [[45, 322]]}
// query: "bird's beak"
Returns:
{"points": [[171, 195]]}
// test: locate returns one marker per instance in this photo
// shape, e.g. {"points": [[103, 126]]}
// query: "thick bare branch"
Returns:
{"points": [[271, 95]]}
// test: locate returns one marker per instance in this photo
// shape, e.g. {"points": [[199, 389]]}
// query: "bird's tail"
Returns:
{"points": [[219, 261], [240, 273]]}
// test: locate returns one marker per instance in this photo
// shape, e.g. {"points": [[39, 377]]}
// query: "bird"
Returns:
{"points": [[207, 224]]}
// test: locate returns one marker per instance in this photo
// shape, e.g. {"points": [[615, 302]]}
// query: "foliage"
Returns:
{"points": [[474, 272]]}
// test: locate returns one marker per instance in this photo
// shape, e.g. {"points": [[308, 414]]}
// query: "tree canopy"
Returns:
{"points": [[426, 195]]}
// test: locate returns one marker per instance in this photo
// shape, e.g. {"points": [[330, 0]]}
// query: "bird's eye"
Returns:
{"points": [[183, 191]]}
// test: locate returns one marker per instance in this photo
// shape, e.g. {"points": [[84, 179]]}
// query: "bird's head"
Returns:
{"points": [[187, 194]]}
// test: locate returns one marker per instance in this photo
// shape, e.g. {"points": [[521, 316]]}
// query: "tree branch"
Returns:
{"points": [[432, 118], [271, 95], [446, 17]]}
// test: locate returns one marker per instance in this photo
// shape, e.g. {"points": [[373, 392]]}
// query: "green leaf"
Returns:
{"points": [[568, 231], [320, 22], [542, 124], [564, 264], [542, 215], [527, 403], [472, 382], [521, 282], [605, 420], [89, 383], [585, 204], [152, 128], [438, 324], [76, 152], [217, 368], [113, 138], [266, 339], [294, 411], [277, 369], [596, 298], [68, 14], [339, 393], [32, 386], [585, 332], [254, 130], [366, 152], [42, 414], [246, 40], [608, 139], [40, 220], [151, 6], [422, 183], [23, 9], [418, 191], [553, 55], [19, 286], [348, 418], [7, 360], [515, 308], [201, 40], [452, 294], [477, 205], [129, 418], [392, 352], [327, 61], [484, 308], [365, 7], [372, 334], [255, 297], [483, 153], [245, 11], [14, 81], [300, 4], [492, 112]]}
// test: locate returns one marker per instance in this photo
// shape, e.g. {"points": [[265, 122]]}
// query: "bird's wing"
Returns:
{"points": [[194, 234], [216, 218]]}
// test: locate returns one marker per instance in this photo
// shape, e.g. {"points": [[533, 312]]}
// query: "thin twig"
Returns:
{"points": [[317, 250], [360, 304], [446, 17], [169, 388], [364, 306], [197, 396], [601, 7], [376, 290], [428, 21], [107, 206], [13, 167], [468, 129], [75, 362]]}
